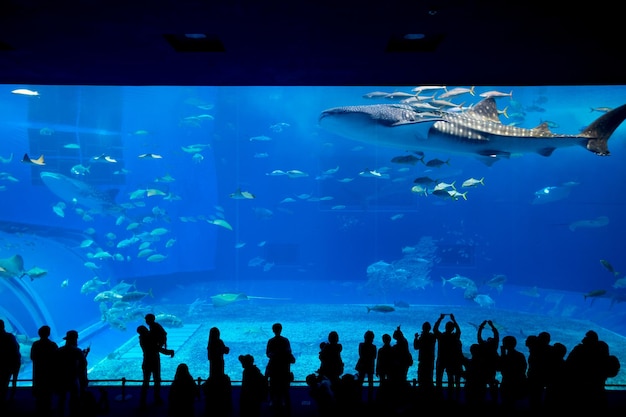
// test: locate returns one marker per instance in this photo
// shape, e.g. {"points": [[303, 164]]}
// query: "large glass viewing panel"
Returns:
{"points": [[346, 209]]}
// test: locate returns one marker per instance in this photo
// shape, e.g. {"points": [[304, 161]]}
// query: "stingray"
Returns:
{"points": [[225, 299], [12, 267]]}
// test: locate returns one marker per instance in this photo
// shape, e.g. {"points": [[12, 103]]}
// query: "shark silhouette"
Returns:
{"points": [[476, 131], [78, 192]]}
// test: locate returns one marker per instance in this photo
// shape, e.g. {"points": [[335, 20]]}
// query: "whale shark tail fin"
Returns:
{"points": [[602, 128]]}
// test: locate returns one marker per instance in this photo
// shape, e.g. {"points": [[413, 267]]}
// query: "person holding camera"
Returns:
{"points": [[488, 351], [449, 356]]}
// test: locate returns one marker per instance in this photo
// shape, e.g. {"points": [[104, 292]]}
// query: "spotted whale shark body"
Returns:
{"points": [[476, 131], [78, 192]]}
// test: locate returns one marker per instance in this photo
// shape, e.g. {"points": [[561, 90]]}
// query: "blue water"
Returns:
{"points": [[327, 236]]}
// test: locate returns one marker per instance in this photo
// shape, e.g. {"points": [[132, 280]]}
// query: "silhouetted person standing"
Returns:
{"points": [[366, 364], [449, 356], [557, 383], [218, 387], [10, 361], [384, 368], [331, 364], [216, 349], [513, 367], [183, 393], [488, 350], [72, 374], [150, 366], [587, 372], [384, 362], [475, 379], [425, 345], [278, 370], [539, 357], [43, 354], [402, 358]]}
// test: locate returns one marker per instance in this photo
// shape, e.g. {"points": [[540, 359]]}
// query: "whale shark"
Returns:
{"points": [[476, 131], [74, 191]]}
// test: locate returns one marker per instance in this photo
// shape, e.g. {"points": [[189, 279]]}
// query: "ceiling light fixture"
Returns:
{"points": [[414, 42], [194, 42]]}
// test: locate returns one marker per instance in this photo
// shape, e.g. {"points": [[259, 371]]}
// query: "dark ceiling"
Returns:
{"points": [[300, 42]]}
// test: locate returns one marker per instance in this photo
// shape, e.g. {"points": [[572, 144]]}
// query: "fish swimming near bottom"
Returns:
{"points": [[381, 309], [594, 293], [169, 320], [476, 131]]}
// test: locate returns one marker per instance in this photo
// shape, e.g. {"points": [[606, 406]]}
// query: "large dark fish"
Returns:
{"points": [[476, 131], [607, 265], [381, 309]]}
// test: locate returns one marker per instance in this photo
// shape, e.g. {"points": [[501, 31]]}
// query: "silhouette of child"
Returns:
{"points": [[159, 334], [254, 388]]}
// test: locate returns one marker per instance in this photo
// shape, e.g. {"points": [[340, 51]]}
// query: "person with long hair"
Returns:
{"points": [[216, 349]]}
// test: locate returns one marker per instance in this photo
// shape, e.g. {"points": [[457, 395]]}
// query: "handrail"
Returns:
{"points": [[199, 380]]}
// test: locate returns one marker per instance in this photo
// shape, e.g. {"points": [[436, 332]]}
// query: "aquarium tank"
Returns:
{"points": [[323, 208]]}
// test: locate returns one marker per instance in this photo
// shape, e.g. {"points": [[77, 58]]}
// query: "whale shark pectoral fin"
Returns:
{"points": [[428, 121], [546, 151], [489, 157], [404, 122], [489, 161]]}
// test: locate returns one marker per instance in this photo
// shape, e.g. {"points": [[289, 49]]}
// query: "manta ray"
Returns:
{"points": [[600, 221], [78, 192], [476, 131], [12, 267], [225, 299]]}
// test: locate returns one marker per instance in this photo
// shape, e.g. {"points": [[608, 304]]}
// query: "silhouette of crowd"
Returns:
{"points": [[497, 376]]}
